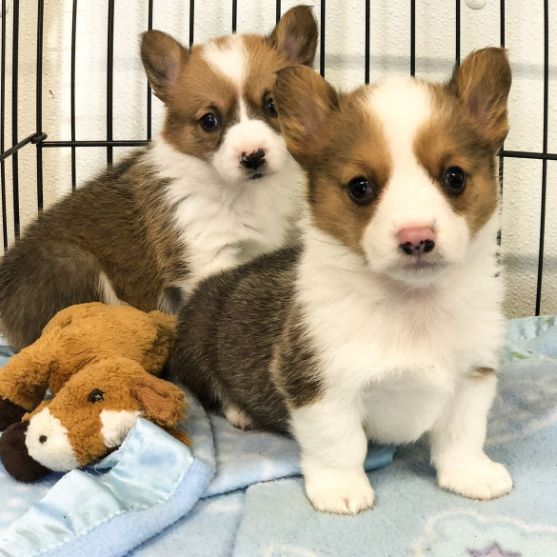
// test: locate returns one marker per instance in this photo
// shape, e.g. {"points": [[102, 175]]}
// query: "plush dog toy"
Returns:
{"points": [[100, 362]]}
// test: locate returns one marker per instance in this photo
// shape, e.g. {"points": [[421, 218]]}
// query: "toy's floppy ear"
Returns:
{"points": [[161, 401]]}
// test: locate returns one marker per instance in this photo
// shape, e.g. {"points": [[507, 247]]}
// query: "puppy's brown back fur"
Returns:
{"points": [[116, 225]]}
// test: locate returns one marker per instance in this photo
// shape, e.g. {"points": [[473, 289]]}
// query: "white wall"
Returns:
{"points": [[390, 23]]}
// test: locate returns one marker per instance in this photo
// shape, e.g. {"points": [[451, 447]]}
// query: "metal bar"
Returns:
{"points": [[502, 23], [322, 40], [15, 168], [100, 143], [539, 285], [109, 80], [72, 93], [457, 33], [529, 155], [368, 41], [278, 10], [137, 142], [501, 159], [192, 20], [2, 121], [33, 138], [234, 15], [413, 38], [39, 103], [149, 26]]}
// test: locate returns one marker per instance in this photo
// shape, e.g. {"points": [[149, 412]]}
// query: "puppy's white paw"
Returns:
{"points": [[238, 418], [479, 479], [339, 492]]}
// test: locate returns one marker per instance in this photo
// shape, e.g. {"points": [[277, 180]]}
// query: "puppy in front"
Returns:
{"points": [[214, 190], [386, 323]]}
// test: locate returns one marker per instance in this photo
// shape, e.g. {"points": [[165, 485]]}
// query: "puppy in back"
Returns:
{"points": [[386, 323], [215, 189]]}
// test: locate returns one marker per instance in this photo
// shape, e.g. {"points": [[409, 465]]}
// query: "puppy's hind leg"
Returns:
{"points": [[38, 278], [237, 417]]}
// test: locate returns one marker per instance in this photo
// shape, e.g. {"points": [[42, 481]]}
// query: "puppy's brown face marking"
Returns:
{"points": [[448, 142], [346, 183]]}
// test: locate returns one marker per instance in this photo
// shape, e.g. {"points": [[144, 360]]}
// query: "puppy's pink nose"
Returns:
{"points": [[416, 240]]}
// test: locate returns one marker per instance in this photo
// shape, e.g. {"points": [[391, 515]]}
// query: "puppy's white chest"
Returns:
{"points": [[225, 230], [402, 410]]}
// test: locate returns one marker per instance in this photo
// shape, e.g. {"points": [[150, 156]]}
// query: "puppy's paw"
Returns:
{"points": [[339, 492], [238, 418], [479, 479]]}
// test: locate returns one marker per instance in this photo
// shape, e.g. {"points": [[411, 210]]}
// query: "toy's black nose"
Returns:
{"points": [[14, 455], [43, 439], [253, 160]]}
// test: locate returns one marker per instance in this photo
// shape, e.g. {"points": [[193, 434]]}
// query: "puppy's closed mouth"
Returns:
{"points": [[256, 176], [419, 264]]}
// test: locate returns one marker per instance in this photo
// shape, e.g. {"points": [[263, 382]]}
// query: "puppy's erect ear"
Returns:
{"points": [[482, 84], [296, 35], [305, 103], [161, 401], [162, 58]]}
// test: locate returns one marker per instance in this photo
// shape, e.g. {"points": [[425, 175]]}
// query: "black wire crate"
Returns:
{"points": [[29, 37]]}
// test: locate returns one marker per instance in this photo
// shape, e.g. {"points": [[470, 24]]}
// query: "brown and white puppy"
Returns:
{"points": [[386, 323], [215, 189]]}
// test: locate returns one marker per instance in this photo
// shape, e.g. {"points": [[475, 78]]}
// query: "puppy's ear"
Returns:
{"points": [[296, 35], [162, 58], [482, 84], [305, 103], [161, 401]]}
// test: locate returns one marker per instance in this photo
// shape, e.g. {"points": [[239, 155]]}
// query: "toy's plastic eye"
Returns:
{"points": [[96, 395]]}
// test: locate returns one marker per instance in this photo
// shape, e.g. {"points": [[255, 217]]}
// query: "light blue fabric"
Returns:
{"points": [[88, 513], [243, 515]]}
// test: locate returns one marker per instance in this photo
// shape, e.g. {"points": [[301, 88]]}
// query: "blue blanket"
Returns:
{"points": [[239, 494]]}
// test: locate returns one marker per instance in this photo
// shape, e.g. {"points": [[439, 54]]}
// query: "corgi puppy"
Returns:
{"points": [[386, 323], [215, 189]]}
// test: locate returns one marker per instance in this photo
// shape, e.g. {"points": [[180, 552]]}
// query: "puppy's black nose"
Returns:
{"points": [[253, 160], [43, 439], [424, 246]]}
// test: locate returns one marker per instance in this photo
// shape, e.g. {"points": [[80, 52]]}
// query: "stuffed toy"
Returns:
{"points": [[101, 364]]}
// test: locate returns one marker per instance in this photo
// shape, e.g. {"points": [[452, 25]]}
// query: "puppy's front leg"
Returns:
{"points": [[333, 446], [457, 441]]}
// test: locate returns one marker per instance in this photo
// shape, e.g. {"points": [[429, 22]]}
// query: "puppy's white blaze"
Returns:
{"points": [[402, 105], [229, 58], [116, 424], [411, 198], [56, 452]]}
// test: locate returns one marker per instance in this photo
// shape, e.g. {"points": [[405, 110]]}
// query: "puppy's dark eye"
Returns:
{"points": [[360, 190], [454, 180], [96, 395], [209, 122], [269, 106]]}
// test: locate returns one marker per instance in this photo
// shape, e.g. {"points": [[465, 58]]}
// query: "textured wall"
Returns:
{"points": [[390, 22]]}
